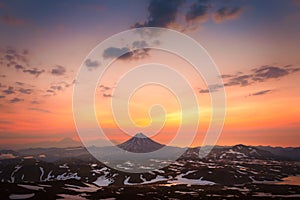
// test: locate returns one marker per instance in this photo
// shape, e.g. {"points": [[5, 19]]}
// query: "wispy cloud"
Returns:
{"points": [[58, 70], [40, 110], [260, 74], [19, 67], [256, 75], [92, 64], [161, 13], [9, 90], [211, 88], [34, 102], [106, 95], [12, 57], [169, 14], [114, 52], [58, 87], [104, 88], [25, 90], [227, 13], [262, 92], [36, 72], [198, 11], [15, 100], [137, 50]]}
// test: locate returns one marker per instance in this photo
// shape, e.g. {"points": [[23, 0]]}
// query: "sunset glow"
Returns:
{"points": [[257, 53]]}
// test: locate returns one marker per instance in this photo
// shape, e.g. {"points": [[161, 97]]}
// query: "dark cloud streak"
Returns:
{"points": [[227, 13], [36, 72], [161, 13], [90, 64], [15, 100], [58, 70], [260, 93], [256, 75], [198, 10]]}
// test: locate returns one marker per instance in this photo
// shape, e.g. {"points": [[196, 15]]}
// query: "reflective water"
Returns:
{"points": [[290, 180]]}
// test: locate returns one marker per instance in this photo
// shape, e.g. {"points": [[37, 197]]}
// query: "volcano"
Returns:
{"points": [[140, 143]]}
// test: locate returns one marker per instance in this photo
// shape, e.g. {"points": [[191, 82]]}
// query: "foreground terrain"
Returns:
{"points": [[226, 173]]}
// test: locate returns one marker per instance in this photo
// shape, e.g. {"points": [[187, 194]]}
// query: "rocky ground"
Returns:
{"points": [[226, 173]]}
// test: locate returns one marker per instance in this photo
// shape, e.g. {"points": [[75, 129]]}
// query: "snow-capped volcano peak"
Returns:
{"points": [[140, 135], [140, 143]]}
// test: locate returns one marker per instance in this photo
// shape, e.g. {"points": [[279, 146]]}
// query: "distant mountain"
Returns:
{"points": [[140, 143], [237, 152], [65, 142], [292, 153]]}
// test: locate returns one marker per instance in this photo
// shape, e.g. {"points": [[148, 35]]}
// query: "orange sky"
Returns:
{"points": [[258, 52]]}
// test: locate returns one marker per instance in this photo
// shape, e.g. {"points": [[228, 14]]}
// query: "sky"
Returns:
{"points": [[255, 45]]}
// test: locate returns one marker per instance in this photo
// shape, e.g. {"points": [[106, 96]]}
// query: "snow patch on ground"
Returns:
{"points": [[21, 196], [7, 156], [156, 179], [180, 180], [103, 180], [31, 187], [89, 188], [67, 176]]}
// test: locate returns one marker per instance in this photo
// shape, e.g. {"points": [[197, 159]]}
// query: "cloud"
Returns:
{"points": [[19, 60], [9, 90], [267, 72], [2, 97], [137, 50], [20, 83], [17, 67], [34, 71], [91, 64], [139, 44], [12, 21], [227, 76], [227, 13], [242, 80], [260, 74], [104, 88], [107, 95], [211, 88], [34, 102], [25, 91], [58, 87], [14, 57], [50, 91], [260, 93], [161, 13], [39, 110], [15, 100], [114, 52], [256, 75], [58, 70], [197, 11]]}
